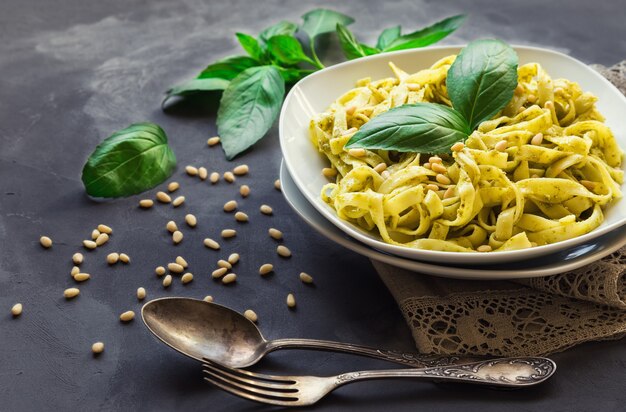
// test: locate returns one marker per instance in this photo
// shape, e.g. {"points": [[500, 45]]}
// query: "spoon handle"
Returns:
{"points": [[411, 359]]}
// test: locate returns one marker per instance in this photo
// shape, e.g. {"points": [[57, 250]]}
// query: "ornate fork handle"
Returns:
{"points": [[410, 359]]}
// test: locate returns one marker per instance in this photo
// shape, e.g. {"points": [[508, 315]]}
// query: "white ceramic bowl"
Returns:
{"points": [[316, 92]]}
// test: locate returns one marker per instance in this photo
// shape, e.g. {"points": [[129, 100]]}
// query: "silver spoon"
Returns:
{"points": [[201, 329]]}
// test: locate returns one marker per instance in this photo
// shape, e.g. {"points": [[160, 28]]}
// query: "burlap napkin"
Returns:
{"points": [[525, 317]]}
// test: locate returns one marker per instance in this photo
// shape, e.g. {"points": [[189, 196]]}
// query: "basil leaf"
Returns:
{"points": [[228, 68], [128, 162], [349, 44], [251, 46], [388, 36], [368, 50], [482, 79], [287, 50], [283, 28], [248, 108], [292, 75], [419, 127], [320, 21], [428, 35], [195, 86]]}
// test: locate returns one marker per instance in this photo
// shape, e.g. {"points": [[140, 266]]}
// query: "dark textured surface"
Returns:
{"points": [[73, 72]]}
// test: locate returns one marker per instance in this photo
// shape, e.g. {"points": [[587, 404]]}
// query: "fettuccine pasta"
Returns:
{"points": [[540, 172]]}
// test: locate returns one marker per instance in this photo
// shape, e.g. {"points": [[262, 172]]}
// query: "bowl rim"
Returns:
{"points": [[424, 254]]}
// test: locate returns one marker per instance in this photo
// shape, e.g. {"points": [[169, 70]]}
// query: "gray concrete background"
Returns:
{"points": [[73, 71]]}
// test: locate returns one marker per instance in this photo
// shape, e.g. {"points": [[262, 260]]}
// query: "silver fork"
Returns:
{"points": [[306, 390]]}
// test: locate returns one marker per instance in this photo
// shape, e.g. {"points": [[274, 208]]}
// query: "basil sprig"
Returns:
{"points": [[480, 83], [128, 162]]}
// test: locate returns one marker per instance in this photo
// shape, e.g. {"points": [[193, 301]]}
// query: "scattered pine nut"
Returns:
{"points": [[531, 98], [171, 226], [385, 174], [211, 244], [519, 89], [218, 273], [432, 186], [177, 237], [45, 242], [212, 141], [266, 268], [102, 239], [203, 173], [75, 270], [71, 293], [81, 277], [230, 206], [141, 293], [350, 110], [241, 217], [357, 152], [181, 261], [167, 281], [283, 251], [306, 278], [124, 258], [443, 179], [112, 258], [329, 172], [228, 233], [275, 233], [241, 170], [105, 229], [448, 193], [277, 184], [427, 166], [175, 267], [250, 315], [127, 316], [160, 271], [214, 177], [244, 190], [435, 159], [94, 234], [229, 177], [97, 348], [484, 248], [191, 170], [380, 167], [501, 145], [458, 146], [438, 168], [291, 301], [230, 278], [233, 258], [191, 220], [146, 203], [186, 278], [77, 258], [537, 139], [208, 298], [224, 264], [178, 201], [173, 186], [16, 310], [90, 244], [163, 197], [266, 210]]}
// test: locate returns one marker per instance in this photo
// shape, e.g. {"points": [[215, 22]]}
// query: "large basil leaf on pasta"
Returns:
{"points": [[427, 36], [419, 127], [320, 21], [482, 79], [248, 108], [128, 162]]}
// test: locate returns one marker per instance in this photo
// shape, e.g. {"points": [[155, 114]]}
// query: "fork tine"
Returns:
{"points": [[249, 388], [249, 396], [270, 378], [242, 379]]}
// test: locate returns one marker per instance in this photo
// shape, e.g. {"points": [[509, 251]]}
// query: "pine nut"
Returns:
{"points": [[229, 177], [212, 141], [266, 210], [191, 170], [241, 217], [94, 234], [228, 233], [178, 201], [160, 271], [427, 166], [275, 233], [163, 197], [81, 277], [171, 226], [203, 173], [208, 298], [283, 251], [448, 193], [181, 261], [458, 146], [438, 168], [224, 264], [124, 258], [230, 278], [519, 89], [233, 258], [141, 293], [534, 176], [102, 239], [244, 190], [537, 139], [531, 98], [266, 268], [306, 278], [291, 300], [214, 177], [380, 167], [112, 258], [250, 315], [45, 241], [385, 174], [501, 145], [71, 293], [483, 248], [105, 229], [77, 258], [432, 186], [177, 237], [218, 273], [75, 270], [16, 310], [230, 206], [187, 277], [175, 267], [146, 203], [167, 281], [520, 109], [357, 152], [277, 184], [435, 159], [329, 172], [350, 110], [443, 179], [127, 316], [97, 348], [191, 220], [89, 244], [241, 170], [173, 186], [558, 90], [211, 244]]}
